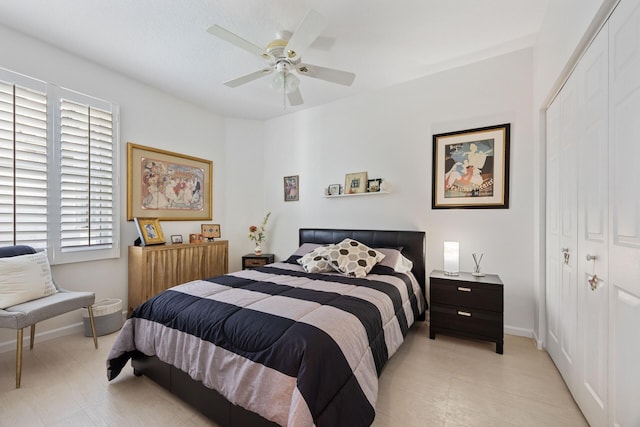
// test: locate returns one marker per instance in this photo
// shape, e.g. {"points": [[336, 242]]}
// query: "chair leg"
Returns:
{"points": [[93, 326], [19, 358], [32, 336]]}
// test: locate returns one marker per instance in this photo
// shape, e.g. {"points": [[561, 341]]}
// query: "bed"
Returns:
{"points": [[278, 345]]}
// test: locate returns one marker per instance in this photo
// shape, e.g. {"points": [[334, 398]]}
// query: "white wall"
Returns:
{"points": [[148, 117], [388, 133]]}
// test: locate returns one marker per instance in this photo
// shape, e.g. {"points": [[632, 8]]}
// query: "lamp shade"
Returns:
{"points": [[451, 258]]}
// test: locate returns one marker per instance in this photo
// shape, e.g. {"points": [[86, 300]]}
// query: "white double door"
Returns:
{"points": [[593, 225]]}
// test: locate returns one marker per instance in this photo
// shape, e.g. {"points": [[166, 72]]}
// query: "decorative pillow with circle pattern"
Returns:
{"points": [[353, 258], [316, 261]]}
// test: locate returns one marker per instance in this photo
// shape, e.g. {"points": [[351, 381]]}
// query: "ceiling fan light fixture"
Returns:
{"points": [[285, 81]]}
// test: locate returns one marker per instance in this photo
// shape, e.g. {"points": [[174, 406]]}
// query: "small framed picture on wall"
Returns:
{"points": [[291, 188]]}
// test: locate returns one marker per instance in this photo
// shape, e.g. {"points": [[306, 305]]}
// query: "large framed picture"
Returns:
{"points": [[291, 188], [168, 186], [355, 183], [471, 168], [150, 231]]}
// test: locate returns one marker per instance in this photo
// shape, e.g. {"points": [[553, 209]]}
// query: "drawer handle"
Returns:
{"points": [[461, 289], [464, 313]]}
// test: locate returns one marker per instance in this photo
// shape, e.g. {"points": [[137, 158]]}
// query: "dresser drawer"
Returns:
{"points": [[463, 294], [467, 321]]}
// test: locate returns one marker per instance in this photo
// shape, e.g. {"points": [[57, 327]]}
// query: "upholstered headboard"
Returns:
{"points": [[412, 243]]}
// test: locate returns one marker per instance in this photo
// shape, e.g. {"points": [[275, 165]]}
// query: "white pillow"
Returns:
{"points": [[24, 278], [353, 258], [306, 248], [394, 259], [316, 261]]}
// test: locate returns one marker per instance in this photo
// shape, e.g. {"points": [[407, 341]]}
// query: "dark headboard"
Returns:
{"points": [[412, 243]]}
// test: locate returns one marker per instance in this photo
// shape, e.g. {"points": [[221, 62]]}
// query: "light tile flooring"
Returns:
{"points": [[446, 382]]}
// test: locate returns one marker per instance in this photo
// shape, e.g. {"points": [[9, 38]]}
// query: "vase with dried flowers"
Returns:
{"points": [[259, 234]]}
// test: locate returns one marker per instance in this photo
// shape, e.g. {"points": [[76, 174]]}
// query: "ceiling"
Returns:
{"points": [[165, 43]]}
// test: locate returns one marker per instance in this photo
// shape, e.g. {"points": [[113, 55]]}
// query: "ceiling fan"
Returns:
{"points": [[283, 56]]}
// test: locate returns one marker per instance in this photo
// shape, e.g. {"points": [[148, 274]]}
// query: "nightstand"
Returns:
{"points": [[467, 306], [253, 261]]}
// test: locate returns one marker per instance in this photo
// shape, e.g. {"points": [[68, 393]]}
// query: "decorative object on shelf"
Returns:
{"points": [[355, 183], [210, 231], [176, 238], [373, 185], [149, 231], [334, 190], [451, 258], [167, 185], [476, 260], [259, 234], [196, 238], [471, 168], [291, 188]]}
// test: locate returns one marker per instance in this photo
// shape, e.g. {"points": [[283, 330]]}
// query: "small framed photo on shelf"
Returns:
{"points": [[355, 183], [291, 189], [149, 231], [373, 185], [196, 238], [210, 231], [334, 190], [176, 238]]}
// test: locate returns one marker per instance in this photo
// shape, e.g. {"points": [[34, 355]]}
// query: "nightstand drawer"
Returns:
{"points": [[463, 294], [255, 262], [487, 324]]}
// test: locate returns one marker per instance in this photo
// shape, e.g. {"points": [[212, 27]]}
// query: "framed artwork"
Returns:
{"points": [[471, 169], [149, 231], [334, 190], [168, 186], [210, 231], [373, 185], [196, 238], [291, 188], [176, 238], [355, 183]]}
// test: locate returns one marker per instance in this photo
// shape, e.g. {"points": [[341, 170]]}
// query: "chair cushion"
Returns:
{"points": [[30, 312], [24, 278]]}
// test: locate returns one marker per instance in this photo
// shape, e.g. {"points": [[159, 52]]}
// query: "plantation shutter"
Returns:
{"points": [[23, 163], [86, 176]]}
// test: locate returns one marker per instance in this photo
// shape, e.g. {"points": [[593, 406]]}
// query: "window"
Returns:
{"points": [[58, 170]]}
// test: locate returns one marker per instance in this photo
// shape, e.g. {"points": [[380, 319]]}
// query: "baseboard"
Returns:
{"points": [[521, 332], [539, 342], [42, 336]]}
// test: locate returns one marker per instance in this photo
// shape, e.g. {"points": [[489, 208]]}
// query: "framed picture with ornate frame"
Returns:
{"points": [[355, 183], [471, 169], [168, 186], [210, 231], [291, 188], [150, 231]]}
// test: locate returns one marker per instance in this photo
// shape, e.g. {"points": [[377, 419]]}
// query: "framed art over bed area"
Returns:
{"points": [[215, 406]]}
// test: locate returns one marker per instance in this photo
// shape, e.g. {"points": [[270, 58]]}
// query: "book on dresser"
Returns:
{"points": [[467, 306], [152, 269]]}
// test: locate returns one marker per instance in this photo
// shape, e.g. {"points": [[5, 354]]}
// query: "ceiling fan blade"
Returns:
{"points": [[248, 78], [295, 98], [236, 40], [308, 30], [329, 74]]}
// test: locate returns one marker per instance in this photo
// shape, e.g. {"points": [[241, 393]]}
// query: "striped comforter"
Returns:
{"points": [[299, 349]]}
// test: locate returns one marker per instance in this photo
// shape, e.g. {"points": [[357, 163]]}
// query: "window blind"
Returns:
{"points": [[23, 165], [86, 176]]}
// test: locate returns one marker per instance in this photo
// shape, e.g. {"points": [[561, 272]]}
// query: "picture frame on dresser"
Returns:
{"points": [[168, 186], [471, 168], [150, 231]]}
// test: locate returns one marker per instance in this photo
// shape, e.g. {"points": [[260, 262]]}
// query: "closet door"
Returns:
{"points": [[562, 332], [624, 241], [590, 388]]}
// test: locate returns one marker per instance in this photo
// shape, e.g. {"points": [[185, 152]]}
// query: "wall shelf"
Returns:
{"points": [[355, 194]]}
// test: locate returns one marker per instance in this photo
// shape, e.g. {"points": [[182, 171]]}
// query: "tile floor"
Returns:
{"points": [[447, 382]]}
